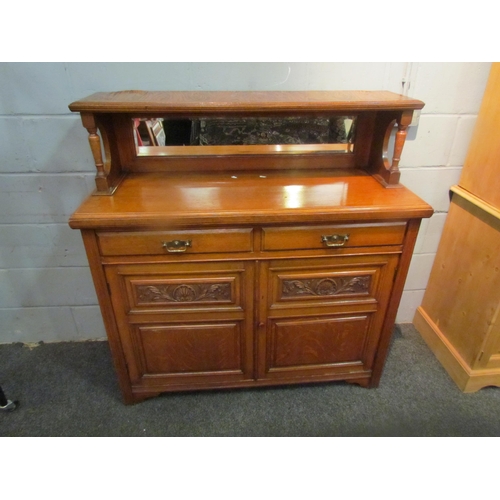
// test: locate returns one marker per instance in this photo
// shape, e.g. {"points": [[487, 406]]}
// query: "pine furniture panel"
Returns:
{"points": [[460, 313]]}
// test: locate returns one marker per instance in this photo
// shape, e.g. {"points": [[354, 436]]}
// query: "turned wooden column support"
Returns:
{"points": [[403, 124], [94, 141], [384, 168], [101, 180]]}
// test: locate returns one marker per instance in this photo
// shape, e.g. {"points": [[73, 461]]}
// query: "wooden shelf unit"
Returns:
{"points": [[250, 269]]}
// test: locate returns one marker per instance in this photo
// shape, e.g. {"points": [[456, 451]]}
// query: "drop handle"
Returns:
{"points": [[176, 246], [335, 240]]}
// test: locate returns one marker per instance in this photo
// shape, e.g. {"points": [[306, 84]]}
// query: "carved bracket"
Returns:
{"points": [[105, 183]]}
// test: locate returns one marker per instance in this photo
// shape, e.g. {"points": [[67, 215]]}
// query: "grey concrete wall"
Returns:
{"points": [[46, 168]]}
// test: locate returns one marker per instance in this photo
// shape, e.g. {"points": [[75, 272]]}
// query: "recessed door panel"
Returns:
{"points": [[190, 348], [319, 341]]}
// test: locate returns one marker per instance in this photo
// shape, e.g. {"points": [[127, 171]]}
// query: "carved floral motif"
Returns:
{"points": [[213, 292], [325, 286]]}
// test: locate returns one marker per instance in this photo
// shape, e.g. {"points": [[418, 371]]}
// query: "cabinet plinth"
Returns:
{"points": [[249, 273]]}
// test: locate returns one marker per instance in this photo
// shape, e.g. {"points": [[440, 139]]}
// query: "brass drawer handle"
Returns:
{"points": [[176, 246], [335, 240]]}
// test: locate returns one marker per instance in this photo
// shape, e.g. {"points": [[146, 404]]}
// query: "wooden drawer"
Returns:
{"points": [[332, 236], [175, 242]]}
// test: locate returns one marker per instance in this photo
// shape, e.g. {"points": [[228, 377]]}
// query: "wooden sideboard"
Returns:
{"points": [[222, 259]]}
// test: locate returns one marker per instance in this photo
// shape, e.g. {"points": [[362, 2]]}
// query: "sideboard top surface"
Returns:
{"points": [[158, 199], [139, 101]]}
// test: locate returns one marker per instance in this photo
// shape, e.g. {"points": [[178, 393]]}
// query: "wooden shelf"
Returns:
{"points": [[247, 197], [234, 102]]}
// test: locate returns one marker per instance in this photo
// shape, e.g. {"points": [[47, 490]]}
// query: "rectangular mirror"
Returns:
{"points": [[243, 135]]}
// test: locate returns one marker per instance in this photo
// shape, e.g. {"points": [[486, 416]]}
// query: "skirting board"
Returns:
{"points": [[468, 380]]}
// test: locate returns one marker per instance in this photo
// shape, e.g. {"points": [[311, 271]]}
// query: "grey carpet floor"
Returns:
{"points": [[70, 389]]}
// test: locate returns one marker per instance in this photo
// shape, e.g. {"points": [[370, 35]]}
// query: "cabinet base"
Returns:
{"points": [[466, 378], [140, 394]]}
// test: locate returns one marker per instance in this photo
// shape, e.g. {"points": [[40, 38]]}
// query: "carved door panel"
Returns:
{"points": [[184, 323], [322, 317]]}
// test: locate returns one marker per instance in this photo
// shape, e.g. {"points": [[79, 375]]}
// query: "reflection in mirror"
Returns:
{"points": [[243, 135]]}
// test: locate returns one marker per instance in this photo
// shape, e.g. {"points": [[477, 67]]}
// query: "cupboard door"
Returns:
{"points": [[184, 323], [322, 318]]}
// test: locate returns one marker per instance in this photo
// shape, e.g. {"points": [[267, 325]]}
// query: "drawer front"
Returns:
{"points": [[175, 242], [332, 236]]}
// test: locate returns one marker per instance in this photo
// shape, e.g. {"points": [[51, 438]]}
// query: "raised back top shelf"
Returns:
{"points": [[138, 101], [177, 131]]}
